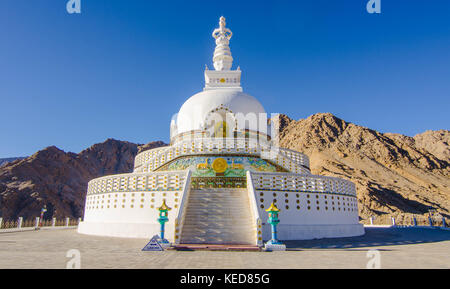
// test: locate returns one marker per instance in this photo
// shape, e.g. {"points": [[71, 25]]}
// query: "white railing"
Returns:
{"points": [[150, 160], [147, 155], [179, 220], [288, 163], [157, 157], [297, 157], [36, 222], [302, 183], [135, 182], [254, 209]]}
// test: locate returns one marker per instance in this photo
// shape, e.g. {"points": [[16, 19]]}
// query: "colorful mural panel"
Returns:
{"points": [[220, 166]]}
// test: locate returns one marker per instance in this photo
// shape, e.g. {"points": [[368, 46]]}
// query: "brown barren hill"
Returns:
{"points": [[59, 180], [436, 142], [394, 174]]}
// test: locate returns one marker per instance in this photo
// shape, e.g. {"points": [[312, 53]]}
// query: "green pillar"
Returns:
{"points": [[163, 218], [273, 221]]}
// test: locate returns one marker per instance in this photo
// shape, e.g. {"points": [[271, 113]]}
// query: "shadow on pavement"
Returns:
{"points": [[374, 237]]}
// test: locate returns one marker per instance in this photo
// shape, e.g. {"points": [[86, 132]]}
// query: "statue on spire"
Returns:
{"points": [[222, 54]]}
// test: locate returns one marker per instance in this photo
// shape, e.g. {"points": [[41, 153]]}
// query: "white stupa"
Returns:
{"points": [[220, 173]]}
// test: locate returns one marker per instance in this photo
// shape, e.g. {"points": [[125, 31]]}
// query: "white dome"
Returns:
{"points": [[193, 113]]}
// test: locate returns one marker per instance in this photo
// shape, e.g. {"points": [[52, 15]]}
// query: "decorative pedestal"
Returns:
{"points": [[274, 247]]}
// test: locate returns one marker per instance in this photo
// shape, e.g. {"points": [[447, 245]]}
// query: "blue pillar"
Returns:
{"points": [[273, 221], [162, 231], [274, 244], [274, 233], [163, 213]]}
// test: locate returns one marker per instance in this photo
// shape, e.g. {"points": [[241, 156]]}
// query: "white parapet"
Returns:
{"points": [[302, 183], [150, 160], [254, 209], [311, 206], [123, 230], [126, 205], [138, 182], [180, 217]]}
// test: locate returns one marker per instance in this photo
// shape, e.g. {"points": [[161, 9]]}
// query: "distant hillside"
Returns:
{"points": [[394, 174], [59, 180], [8, 160]]}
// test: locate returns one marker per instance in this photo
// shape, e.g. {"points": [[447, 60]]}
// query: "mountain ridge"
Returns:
{"points": [[394, 174], [9, 160], [59, 180]]}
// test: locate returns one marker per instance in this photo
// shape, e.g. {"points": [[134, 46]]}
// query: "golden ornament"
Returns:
{"points": [[219, 165]]}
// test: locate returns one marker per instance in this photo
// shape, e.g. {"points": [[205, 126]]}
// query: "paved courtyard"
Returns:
{"points": [[398, 248]]}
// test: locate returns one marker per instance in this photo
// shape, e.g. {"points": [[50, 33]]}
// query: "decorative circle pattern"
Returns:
{"points": [[219, 165]]}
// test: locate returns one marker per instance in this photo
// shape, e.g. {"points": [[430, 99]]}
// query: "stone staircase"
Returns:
{"points": [[218, 216]]}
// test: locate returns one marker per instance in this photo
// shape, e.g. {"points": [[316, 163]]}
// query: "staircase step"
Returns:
{"points": [[218, 216], [229, 234], [225, 204], [222, 223], [214, 199], [216, 235], [218, 228], [194, 220], [214, 247]]}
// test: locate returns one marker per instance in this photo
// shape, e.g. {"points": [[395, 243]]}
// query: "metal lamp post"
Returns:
{"points": [[274, 244], [163, 218]]}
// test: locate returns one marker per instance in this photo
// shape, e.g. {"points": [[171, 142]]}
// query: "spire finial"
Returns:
{"points": [[222, 54]]}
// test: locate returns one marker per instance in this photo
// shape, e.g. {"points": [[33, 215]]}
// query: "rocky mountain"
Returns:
{"points": [[59, 180], [394, 174], [8, 160], [436, 142]]}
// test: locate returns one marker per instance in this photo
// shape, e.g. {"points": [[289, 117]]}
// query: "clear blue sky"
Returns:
{"points": [[123, 67]]}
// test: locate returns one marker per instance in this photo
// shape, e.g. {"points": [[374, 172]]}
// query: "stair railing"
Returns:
{"points": [[179, 220], [254, 209]]}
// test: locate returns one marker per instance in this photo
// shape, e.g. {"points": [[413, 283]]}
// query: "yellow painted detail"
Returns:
{"points": [[219, 165], [164, 207], [272, 208]]}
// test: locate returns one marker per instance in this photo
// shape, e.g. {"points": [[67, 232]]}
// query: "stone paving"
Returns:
{"points": [[398, 247]]}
